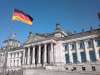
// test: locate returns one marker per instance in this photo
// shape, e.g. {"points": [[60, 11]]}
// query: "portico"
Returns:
{"points": [[39, 54]]}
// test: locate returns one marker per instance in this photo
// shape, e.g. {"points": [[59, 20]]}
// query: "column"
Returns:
{"points": [[19, 62], [87, 51], [24, 57], [33, 57], [16, 62], [70, 53], [12, 59], [8, 59], [96, 50], [28, 57], [12, 62], [51, 54], [39, 55], [45, 54], [16, 59], [7, 62], [19, 58], [78, 52]]}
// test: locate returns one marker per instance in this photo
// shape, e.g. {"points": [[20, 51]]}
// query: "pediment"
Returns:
{"points": [[34, 38]]}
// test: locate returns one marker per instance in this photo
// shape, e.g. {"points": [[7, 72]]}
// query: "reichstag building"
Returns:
{"points": [[56, 51]]}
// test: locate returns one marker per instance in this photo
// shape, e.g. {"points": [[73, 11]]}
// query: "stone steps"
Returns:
{"points": [[49, 72]]}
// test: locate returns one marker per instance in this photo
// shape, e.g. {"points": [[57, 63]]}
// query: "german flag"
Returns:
{"points": [[22, 16]]}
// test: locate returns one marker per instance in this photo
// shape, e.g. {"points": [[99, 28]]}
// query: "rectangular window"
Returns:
{"points": [[74, 68], [83, 68], [92, 56], [66, 68], [98, 42], [73, 46], [81, 44], [83, 56], [93, 68], [90, 44], [65, 46], [67, 58], [75, 57]]}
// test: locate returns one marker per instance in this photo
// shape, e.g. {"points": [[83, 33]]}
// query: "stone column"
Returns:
{"points": [[12, 59], [39, 55], [51, 54], [19, 62], [45, 54], [78, 52], [8, 59], [7, 62], [96, 50], [33, 57], [16, 62], [28, 57], [70, 53], [87, 51], [24, 57], [12, 62]]}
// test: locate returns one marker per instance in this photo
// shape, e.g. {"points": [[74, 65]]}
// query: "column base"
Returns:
{"points": [[45, 64], [79, 61], [33, 65], [88, 61], [39, 65], [51, 63]]}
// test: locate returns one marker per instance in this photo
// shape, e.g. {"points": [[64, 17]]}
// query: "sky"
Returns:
{"points": [[73, 15]]}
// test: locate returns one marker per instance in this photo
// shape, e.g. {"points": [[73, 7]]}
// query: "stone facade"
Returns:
{"points": [[57, 51]]}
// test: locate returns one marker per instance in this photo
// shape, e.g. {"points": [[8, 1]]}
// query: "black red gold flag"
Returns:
{"points": [[19, 15]]}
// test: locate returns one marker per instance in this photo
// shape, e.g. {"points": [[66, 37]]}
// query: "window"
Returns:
{"points": [[83, 56], [74, 57], [74, 68], [66, 68], [73, 46], [90, 44], [81, 45], [92, 56], [98, 42], [93, 68], [83, 68], [67, 58], [66, 47]]}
